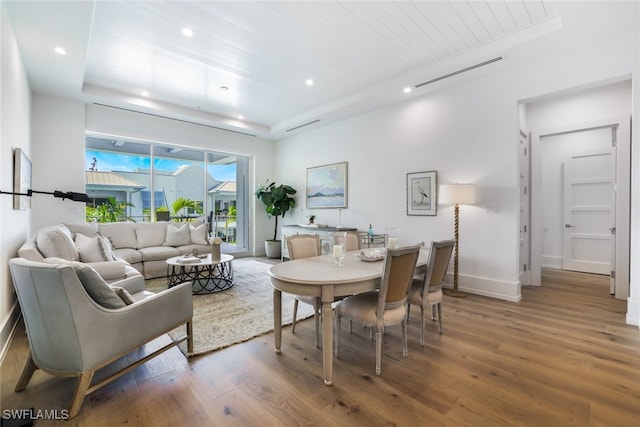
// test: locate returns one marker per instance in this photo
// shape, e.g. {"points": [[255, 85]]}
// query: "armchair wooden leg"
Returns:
{"points": [[27, 372], [81, 391], [440, 317]]}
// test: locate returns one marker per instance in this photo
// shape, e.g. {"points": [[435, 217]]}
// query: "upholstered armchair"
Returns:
{"points": [[77, 323]]}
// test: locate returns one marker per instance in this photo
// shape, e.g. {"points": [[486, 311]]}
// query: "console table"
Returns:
{"points": [[366, 241]]}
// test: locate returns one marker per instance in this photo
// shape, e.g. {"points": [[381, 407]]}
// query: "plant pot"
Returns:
{"points": [[272, 248]]}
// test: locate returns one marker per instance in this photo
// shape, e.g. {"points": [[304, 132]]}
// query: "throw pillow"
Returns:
{"points": [[198, 235], [124, 295], [150, 234], [90, 249], [96, 287], [106, 247], [177, 235], [56, 242]]}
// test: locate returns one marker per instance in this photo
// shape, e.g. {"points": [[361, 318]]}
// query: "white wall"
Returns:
{"points": [[58, 159], [14, 133], [468, 133], [612, 100]]}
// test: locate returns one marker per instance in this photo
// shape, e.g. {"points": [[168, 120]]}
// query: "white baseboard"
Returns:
{"points": [[499, 289], [549, 261], [8, 329]]}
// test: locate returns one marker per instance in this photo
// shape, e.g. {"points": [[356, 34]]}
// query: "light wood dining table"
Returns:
{"points": [[321, 277]]}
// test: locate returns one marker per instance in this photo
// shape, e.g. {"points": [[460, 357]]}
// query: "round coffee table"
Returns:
{"points": [[207, 275]]}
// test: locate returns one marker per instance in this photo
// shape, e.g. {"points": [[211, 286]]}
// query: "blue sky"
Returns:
{"points": [[108, 162]]}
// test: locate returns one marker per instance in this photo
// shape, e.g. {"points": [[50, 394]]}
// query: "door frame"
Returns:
{"points": [[622, 205]]}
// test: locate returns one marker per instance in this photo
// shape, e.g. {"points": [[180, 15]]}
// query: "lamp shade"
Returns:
{"points": [[461, 194]]}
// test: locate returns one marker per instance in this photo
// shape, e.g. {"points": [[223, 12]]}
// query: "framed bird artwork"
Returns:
{"points": [[422, 197]]}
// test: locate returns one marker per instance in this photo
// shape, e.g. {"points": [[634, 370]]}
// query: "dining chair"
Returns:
{"points": [[426, 291], [352, 241], [388, 305], [305, 246]]}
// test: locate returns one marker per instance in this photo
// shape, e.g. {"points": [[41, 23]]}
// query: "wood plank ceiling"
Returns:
{"points": [[262, 52]]}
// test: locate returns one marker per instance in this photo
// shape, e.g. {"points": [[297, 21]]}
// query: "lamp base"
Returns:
{"points": [[454, 293]]}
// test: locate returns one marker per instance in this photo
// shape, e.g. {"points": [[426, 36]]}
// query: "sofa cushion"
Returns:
{"points": [[87, 228], [89, 248], [150, 233], [96, 287], [55, 241], [132, 256], [158, 253], [177, 235], [108, 270], [120, 234], [198, 234], [29, 250]]}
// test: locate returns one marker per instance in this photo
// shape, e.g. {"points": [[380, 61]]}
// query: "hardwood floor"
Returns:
{"points": [[563, 356]]}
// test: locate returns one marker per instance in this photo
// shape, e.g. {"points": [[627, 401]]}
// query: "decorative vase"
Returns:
{"points": [[215, 252]]}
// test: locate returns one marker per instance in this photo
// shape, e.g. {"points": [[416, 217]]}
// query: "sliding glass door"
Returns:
{"points": [[137, 181]]}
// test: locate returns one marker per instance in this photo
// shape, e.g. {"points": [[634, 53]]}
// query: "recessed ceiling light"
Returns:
{"points": [[407, 89], [187, 32], [60, 50], [145, 93], [241, 117], [309, 82]]}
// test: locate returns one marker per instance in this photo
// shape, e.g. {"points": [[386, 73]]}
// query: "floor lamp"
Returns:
{"points": [[456, 194]]}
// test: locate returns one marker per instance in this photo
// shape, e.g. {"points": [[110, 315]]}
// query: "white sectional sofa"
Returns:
{"points": [[120, 249]]}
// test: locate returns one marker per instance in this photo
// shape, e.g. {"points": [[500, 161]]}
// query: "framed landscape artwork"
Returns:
{"points": [[422, 198], [327, 186], [21, 179]]}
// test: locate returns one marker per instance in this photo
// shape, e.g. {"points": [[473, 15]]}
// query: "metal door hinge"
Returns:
{"points": [[613, 274]]}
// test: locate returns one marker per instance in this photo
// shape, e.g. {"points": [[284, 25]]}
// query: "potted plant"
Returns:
{"points": [[277, 200]]}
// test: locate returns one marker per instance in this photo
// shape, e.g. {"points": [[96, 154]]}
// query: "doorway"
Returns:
{"points": [[583, 224]]}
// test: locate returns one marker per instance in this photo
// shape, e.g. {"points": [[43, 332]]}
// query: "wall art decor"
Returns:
{"points": [[21, 179], [327, 186], [422, 197]]}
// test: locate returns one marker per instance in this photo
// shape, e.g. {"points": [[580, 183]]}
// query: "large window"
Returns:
{"points": [[135, 181]]}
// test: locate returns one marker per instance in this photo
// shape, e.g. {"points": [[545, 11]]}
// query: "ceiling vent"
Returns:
{"points": [[302, 125], [464, 70]]}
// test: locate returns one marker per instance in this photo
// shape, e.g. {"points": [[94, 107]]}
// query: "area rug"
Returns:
{"points": [[236, 315]]}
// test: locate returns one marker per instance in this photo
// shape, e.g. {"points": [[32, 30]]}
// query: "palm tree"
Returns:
{"points": [[183, 203], [112, 210]]}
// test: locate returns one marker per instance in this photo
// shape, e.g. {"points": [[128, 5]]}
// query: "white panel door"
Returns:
{"points": [[588, 213]]}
